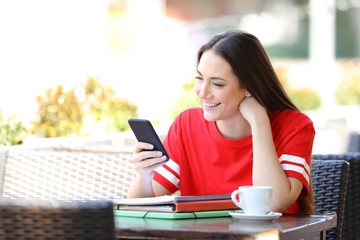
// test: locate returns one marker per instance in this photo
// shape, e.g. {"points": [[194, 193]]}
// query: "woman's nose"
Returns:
{"points": [[204, 91]]}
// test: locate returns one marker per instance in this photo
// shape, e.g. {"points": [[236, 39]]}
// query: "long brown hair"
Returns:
{"points": [[307, 204], [252, 66]]}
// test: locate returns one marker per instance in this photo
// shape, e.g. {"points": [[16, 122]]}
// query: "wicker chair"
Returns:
{"points": [[65, 175], [350, 229], [49, 219], [329, 181]]}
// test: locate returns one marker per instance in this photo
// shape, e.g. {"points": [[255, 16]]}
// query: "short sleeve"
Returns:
{"points": [[295, 150]]}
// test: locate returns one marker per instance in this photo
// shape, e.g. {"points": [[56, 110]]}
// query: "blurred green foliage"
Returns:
{"points": [[62, 114], [348, 91], [12, 132], [59, 114], [188, 99], [304, 98], [103, 105]]}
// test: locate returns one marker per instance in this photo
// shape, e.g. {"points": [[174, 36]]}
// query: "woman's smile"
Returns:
{"points": [[210, 106]]}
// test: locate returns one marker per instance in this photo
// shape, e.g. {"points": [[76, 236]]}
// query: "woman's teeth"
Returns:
{"points": [[211, 105]]}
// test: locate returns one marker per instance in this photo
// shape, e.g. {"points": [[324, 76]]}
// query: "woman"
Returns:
{"points": [[247, 132]]}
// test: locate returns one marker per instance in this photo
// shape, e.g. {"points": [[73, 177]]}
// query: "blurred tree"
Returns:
{"points": [[348, 91], [12, 132], [304, 98], [59, 114], [187, 99], [104, 106]]}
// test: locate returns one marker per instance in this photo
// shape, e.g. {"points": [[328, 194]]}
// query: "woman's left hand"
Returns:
{"points": [[252, 110]]}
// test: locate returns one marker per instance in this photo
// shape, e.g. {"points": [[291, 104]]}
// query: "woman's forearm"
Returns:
{"points": [[267, 169], [141, 187]]}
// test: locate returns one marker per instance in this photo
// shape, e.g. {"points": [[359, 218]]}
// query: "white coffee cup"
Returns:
{"points": [[253, 199]]}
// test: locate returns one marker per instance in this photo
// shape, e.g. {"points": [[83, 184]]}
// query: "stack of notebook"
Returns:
{"points": [[175, 207]]}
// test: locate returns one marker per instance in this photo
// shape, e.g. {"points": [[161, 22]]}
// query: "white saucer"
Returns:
{"points": [[256, 217]]}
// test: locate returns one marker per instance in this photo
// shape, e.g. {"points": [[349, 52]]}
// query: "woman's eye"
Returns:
{"points": [[198, 78], [218, 84]]}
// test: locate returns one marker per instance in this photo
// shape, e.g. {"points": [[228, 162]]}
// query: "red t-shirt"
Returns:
{"points": [[203, 162]]}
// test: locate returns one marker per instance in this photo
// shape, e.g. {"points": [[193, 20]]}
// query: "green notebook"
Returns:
{"points": [[170, 215]]}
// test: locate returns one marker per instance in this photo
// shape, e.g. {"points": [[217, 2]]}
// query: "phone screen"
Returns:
{"points": [[144, 132]]}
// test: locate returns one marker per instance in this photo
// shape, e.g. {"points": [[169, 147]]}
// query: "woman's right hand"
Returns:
{"points": [[145, 160]]}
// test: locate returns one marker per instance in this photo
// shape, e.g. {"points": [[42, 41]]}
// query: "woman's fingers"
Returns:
{"points": [[148, 166], [141, 146], [141, 156], [145, 160]]}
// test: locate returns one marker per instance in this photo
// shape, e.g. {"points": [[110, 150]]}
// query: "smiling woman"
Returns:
{"points": [[248, 132], [218, 89]]}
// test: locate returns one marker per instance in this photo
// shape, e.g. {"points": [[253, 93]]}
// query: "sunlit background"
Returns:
{"points": [[146, 49]]}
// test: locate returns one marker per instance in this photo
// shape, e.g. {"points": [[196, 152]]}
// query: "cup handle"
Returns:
{"points": [[233, 198]]}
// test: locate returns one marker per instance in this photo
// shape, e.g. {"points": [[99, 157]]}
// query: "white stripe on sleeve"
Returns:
{"points": [[169, 176], [174, 166], [290, 167], [293, 167]]}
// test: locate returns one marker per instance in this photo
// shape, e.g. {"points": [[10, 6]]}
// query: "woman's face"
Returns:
{"points": [[218, 88]]}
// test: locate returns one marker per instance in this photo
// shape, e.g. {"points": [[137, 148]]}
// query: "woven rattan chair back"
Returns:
{"points": [[49, 219], [351, 222], [66, 175], [329, 181]]}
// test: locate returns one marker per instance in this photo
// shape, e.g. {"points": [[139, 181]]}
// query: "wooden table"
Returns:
{"points": [[289, 226]]}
